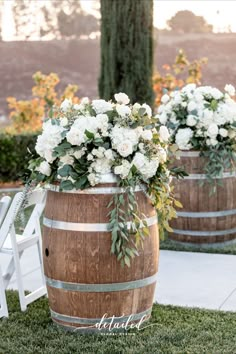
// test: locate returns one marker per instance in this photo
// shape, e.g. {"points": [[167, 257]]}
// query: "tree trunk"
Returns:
{"points": [[127, 49]]}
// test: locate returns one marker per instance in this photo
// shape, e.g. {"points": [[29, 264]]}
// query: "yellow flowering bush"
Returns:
{"points": [[177, 75], [27, 115]]}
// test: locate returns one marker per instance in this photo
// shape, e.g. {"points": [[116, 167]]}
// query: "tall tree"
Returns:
{"points": [[187, 22], [127, 49]]}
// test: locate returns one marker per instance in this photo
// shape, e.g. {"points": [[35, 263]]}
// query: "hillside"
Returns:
{"points": [[77, 61]]}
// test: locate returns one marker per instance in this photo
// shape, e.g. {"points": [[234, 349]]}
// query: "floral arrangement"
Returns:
{"points": [[89, 139], [203, 118]]}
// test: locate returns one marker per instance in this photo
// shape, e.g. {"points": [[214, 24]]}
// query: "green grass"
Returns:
{"points": [[175, 330]]}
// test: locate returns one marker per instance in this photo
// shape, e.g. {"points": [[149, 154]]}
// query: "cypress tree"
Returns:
{"points": [[127, 49]]}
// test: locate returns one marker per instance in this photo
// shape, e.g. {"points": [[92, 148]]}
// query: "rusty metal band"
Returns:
{"points": [[87, 227], [210, 214], [204, 233], [100, 288], [96, 321]]}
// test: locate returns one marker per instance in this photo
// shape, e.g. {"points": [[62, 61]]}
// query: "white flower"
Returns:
{"points": [[146, 134], [213, 142], [44, 168], [93, 179], [75, 136], [109, 154], [212, 130], [136, 108], [67, 160], [121, 98], [223, 132], [63, 121], [230, 89], [146, 167], [99, 152], [66, 104], [216, 94], [162, 155], [79, 153], [191, 121], [164, 133], [102, 165], [84, 101], [162, 118], [123, 169], [101, 106], [183, 138], [125, 148], [232, 133], [191, 106], [120, 134], [90, 157], [123, 110], [165, 98], [148, 109]]}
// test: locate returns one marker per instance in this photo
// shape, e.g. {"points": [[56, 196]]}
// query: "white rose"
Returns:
{"points": [[63, 121], [216, 94], [109, 154], [183, 138], [212, 130], [230, 89], [90, 157], [162, 118], [165, 98], [101, 106], [191, 121], [214, 142], [125, 148], [148, 109], [123, 110], [44, 168], [121, 98], [164, 133], [223, 132], [191, 106], [146, 135], [66, 104]]}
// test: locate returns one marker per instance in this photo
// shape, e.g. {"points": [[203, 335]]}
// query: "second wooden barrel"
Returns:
{"points": [[85, 281], [205, 219]]}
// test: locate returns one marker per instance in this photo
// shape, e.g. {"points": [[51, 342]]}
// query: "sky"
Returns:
{"points": [[221, 14]]}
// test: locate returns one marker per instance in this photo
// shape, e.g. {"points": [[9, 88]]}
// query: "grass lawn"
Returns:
{"points": [[174, 330]]}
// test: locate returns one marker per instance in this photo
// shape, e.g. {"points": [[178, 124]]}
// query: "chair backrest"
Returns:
{"points": [[36, 198], [4, 204]]}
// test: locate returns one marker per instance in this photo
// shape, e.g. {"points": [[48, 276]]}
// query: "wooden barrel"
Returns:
{"points": [[85, 281], [205, 219]]}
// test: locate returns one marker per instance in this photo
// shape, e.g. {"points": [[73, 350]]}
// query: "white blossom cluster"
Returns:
{"points": [[101, 137], [199, 117]]}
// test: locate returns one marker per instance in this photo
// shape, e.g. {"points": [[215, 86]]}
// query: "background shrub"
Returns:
{"points": [[14, 155]]}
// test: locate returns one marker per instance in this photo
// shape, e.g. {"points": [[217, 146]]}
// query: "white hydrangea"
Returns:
{"points": [[44, 168], [183, 138], [223, 132], [94, 179], [121, 134], [191, 121], [48, 140], [212, 130], [63, 121], [67, 160], [121, 98], [165, 98], [123, 169], [145, 166], [101, 166]]}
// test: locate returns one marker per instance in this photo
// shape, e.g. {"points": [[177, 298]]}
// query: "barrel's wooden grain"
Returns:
{"points": [[212, 226], [82, 257]]}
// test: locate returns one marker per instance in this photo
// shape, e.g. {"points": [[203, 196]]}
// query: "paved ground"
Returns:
{"points": [[185, 278]]}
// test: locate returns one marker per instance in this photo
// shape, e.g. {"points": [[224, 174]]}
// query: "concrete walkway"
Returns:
{"points": [[185, 279]]}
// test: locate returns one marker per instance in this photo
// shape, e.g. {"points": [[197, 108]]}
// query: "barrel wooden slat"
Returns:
{"points": [[196, 198], [84, 257]]}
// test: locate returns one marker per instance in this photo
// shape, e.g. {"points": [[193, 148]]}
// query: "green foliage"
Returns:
{"points": [[127, 49], [14, 155], [172, 330]]}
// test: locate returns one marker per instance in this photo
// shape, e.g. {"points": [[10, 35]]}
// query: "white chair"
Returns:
{"points": [[14, 244], [4, 205]]}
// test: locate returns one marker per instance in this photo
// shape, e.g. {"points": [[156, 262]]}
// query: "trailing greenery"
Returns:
{"points": [[127, 49], [14, 155], [175, 330]]}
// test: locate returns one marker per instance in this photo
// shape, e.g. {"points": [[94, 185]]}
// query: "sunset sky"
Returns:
{"points": [[221, 14]]}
